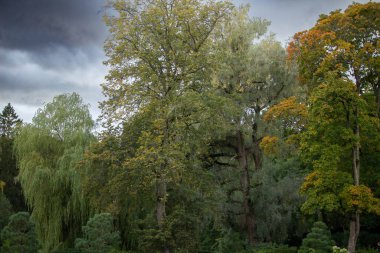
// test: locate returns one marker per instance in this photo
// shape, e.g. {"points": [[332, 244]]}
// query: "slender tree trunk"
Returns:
{"points": [[377, 97], [355, 219], [354, 232], [161, 205], [160, 201], [256, 150], [161, 190], [248, 222]]}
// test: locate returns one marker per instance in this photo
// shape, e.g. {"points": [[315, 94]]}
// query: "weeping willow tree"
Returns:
{"points": [[47, 152]]}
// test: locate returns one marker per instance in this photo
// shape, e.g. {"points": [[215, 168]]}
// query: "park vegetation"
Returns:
{"points": [[214, 138]]}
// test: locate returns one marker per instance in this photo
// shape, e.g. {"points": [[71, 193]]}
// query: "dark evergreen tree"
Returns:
{"points": [[318, 240], [99, 235], [8, 169], [5, 209], [19, 235], [8, 121]]}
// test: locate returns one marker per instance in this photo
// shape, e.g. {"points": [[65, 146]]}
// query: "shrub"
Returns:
{"points": [[99, 235], [318, 240], [273, 248], [19, 235], [5, 210], [336, 249]]}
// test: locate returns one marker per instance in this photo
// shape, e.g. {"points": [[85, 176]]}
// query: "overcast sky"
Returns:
{"points": [[50, 47]]}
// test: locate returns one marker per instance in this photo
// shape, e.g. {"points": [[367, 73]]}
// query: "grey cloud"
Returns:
{"points": [[36, 25], [290, 16], [50, 47]]}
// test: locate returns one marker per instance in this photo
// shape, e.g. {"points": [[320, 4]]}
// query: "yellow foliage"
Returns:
{"points": [[287, 109], [360, 198], [2, 185], [309, 182], [269, 145]]}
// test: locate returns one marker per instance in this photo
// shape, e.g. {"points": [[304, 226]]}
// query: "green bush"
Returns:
{"points": [[68, 250], [318, 240], [5, 210], [336, 249], [367, 250], [99, 235], [19, 235], [273, 248]]}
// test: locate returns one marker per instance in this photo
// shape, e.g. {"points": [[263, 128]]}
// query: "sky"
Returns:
{"points": [[50, 47]]}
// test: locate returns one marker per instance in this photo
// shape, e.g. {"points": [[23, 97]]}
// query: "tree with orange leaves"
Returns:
{"points": [[345, 45]]}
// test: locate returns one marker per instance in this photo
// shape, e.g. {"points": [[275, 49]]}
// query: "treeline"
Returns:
{"points": [[215, 139]]}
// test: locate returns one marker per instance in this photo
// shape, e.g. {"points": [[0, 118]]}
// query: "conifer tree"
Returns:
{"points": [[8, 169], [319, 239], [19, 235], [8, 121], [5, 209], [99, 235]]}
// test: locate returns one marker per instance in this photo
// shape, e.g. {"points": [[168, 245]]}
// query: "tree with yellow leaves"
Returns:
{"points": [[344, 46]]}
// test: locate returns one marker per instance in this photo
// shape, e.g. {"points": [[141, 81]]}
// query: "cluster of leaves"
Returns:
{"points": [[19, 235]]}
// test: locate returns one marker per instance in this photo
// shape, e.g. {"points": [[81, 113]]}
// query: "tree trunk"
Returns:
{"points": [[354, 232], [256, 150], [160, 201], [355, 219], [248, 222], [376, 92], [161, 205]]}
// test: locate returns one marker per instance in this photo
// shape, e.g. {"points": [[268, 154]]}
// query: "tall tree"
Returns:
{"points": [[47, 152], [9, 122], [347, 44], [160, 53], [327, 145], [252, 75]]}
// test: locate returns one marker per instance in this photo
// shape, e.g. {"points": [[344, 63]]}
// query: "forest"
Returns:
{"points": [[213, 138]]}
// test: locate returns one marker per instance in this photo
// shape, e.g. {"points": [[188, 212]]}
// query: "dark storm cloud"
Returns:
{"points": [[50, 47], [37, 25]]}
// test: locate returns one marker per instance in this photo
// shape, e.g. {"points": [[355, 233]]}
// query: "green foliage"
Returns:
{"points": [[251, 76], [229, 241], [99, 235], [8, 121], [19, 235], [48, 151], [277, 192], [318, 240], [5, 210], [67, 250], [367, 250], [9, 124], [273, 248], [336, 249]]}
